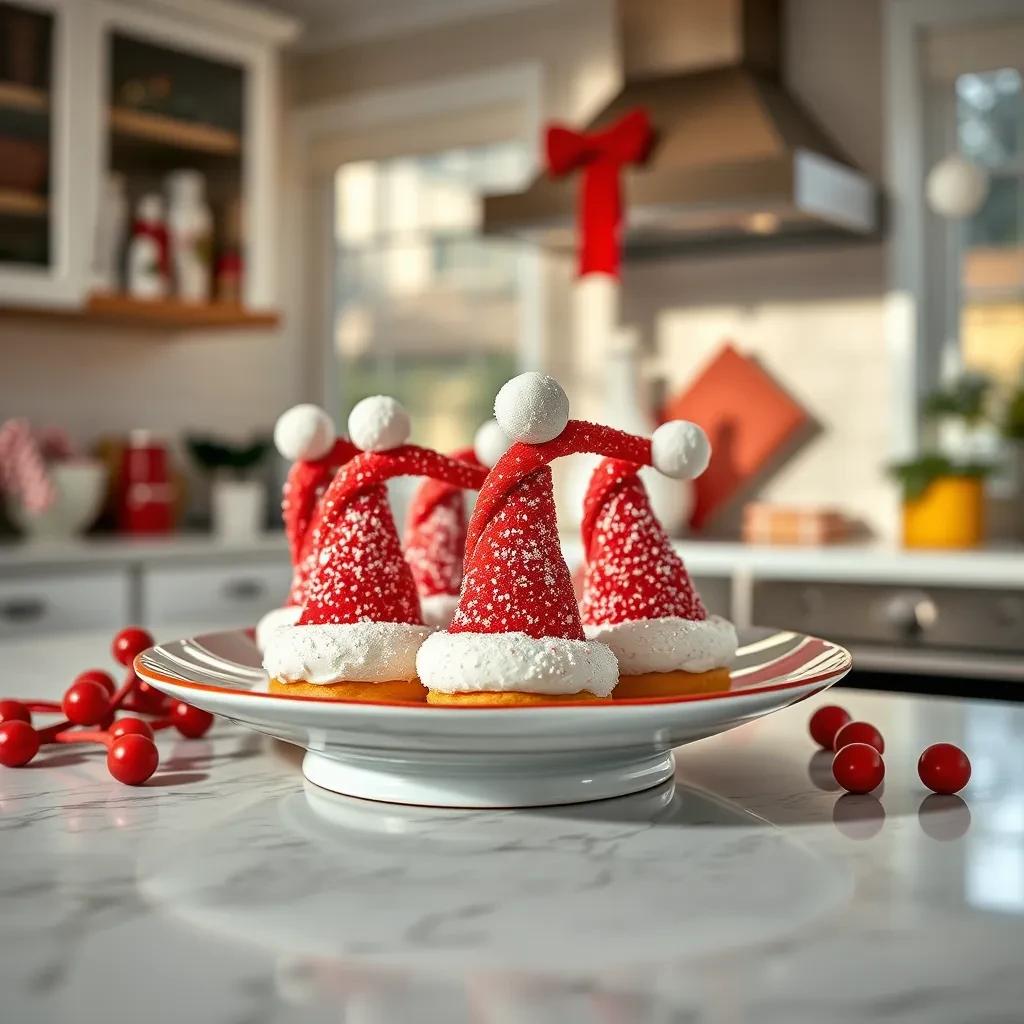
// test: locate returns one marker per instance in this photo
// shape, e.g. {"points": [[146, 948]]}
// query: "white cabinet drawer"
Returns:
{"points": [[222, 596], [47, 603]]}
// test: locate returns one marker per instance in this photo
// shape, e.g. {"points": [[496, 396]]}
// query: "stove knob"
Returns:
{"points": [[911, 613]]}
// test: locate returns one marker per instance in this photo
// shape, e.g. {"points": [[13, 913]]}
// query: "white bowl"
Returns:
{"points": [[80, 485]]}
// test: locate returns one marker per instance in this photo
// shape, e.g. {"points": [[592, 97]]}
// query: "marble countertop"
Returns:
{"points": [[226, 890]]}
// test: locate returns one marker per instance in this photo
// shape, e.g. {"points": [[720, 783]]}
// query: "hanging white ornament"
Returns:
{"points": [[956, 187]]}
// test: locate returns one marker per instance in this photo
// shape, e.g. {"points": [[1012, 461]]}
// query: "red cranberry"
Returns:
{"points": [[858, 768], [131, 727], [944, 768], [86, 703], [859, 732], [14, 711], [826, 722], [19, 743], [130, 643], [132, 759], [189, 721], [97, 675]]}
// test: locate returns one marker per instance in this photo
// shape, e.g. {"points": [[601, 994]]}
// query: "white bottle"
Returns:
{"points": [[190, 228], [146, 272], [110, 234]]}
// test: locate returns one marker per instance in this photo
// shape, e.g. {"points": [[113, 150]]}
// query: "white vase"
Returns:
{"points": [[190, 229], [671, 500], [237, 508]]}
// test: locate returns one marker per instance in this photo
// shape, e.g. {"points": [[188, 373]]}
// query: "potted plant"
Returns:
{"points": [[238, 496], [944, 487]]}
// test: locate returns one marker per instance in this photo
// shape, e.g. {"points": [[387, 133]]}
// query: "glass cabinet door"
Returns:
{"points": [[26, 171], [174, 169]]}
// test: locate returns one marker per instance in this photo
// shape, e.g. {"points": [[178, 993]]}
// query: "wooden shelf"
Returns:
{"points": [[22, 204], [158, 314], [144, 126], [14, 96]]}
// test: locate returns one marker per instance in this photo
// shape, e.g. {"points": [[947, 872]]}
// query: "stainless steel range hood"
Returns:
{"points": [[736, 157]]}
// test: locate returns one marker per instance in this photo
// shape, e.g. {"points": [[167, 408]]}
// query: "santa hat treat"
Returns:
{"points": [[305, 435], [435, 530], [516, 637], [637, 596], [360, 627]]}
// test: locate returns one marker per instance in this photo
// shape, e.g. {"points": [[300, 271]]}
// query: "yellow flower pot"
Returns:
{"points": [[950, 514]]}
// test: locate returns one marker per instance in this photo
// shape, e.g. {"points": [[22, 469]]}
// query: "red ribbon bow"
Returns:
{"points": [[602, 155]]}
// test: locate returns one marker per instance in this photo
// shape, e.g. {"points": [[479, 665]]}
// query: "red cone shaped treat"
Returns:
{"points": [[516, 637], [304, 434], [359, 631], [435, 532], [639, 599]]}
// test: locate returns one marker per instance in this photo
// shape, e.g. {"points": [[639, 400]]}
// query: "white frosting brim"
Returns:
{"points": [[489, 662], [438, 609], [286, 616], [358, 652], [668, 645]]}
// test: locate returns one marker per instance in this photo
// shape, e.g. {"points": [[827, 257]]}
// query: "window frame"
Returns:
{"points": [[923, 301]]}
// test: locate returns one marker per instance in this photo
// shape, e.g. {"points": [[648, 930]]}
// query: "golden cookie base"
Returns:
{"points": [[507, 698], [391, 690], [672, 684]]}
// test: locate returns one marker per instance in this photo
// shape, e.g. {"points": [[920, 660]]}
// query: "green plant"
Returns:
{"points": [[1013, 415], [916, 475], [213, 454], [965, 399]]}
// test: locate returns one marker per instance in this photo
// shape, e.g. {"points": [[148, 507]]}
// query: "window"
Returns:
{"points": [[427, 308], [990, 131]]}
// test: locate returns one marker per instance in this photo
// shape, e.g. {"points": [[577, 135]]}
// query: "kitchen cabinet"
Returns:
{"points": [[138, 89], [56, 602], [232, 595], [157, 582]]}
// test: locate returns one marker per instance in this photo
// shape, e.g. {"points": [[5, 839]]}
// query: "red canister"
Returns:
{"points": [[147, 497]]}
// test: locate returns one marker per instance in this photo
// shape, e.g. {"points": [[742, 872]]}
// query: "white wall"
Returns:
{"points": [[98, 380]]}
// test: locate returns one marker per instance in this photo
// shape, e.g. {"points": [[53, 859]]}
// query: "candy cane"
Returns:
{"points": [[22, 468]]}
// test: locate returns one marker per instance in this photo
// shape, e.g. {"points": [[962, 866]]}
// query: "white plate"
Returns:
{"points": [[489, 757]]}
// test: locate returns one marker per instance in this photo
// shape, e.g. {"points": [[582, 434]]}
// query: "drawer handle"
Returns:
{"points": [[23, 609], [243, 590]]}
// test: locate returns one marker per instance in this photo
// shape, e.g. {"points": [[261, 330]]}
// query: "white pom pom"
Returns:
{"points": [[490, 443], [956, 187], [680, 449], [378, 423], [304, 432], [532, 408]]}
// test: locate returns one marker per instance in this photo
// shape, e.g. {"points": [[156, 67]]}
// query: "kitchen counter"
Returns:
{"points": [[116, 550], [849, 563], [985, 567], [227, 890]]}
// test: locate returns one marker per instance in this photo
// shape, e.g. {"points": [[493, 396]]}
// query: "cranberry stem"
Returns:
{"points": [[126, 688], [51, 732], [84, 736]]}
